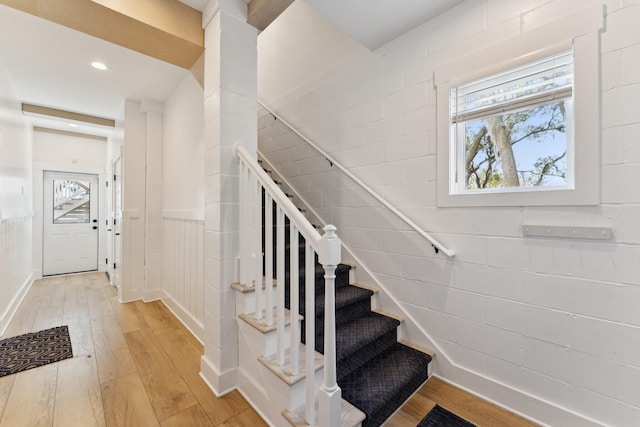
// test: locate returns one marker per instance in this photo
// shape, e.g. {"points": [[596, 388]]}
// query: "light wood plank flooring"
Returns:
{"points": [[466, 405], [136, 365]]}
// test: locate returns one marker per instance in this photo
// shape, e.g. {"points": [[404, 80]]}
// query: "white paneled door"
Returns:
{"points": [[70, 216], [117, 222]]}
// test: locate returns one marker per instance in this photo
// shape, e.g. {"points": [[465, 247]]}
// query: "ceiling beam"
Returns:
{"points": [[261, 13], [67, 115], [163, 29]]}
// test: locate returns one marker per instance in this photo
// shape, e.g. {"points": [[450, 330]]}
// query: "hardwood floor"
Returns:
{"points": [[466, 405], [135, 364]]}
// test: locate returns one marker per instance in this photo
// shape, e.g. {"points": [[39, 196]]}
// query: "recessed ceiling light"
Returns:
{"points": [[98, 66]]}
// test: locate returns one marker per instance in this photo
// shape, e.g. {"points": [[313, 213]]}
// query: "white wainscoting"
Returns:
{"points": [[15, 264], [183, 270]]}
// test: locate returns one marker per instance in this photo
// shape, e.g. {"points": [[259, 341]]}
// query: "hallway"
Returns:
{"points": [[134, 364]]}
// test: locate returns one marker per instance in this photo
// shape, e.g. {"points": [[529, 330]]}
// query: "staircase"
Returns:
{"points": [[374, 371]]}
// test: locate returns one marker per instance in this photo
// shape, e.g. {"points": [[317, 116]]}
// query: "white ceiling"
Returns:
{"points": [[376, 22], [50, 66], [49, 63]]}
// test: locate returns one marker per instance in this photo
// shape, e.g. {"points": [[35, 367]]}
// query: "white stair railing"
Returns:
{"points": [[254, 182]]}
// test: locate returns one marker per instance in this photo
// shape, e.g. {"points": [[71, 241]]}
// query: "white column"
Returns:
{"points": [[230, 117], [142, 205], [133, 204]]}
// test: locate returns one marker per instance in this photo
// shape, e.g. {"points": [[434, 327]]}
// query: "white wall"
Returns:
{"points": [[16, 210], [184, 150], [548, 327], [183, 205], [292, 56], [67, 153]]}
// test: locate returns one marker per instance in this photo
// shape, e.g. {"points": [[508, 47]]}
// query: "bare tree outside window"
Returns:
{"points": [[511, 129], [521, 149]]}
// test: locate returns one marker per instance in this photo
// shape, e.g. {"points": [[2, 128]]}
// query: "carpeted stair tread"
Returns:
{"points": [[362, 331], [382, 385], [362, 339], [345, 296]]}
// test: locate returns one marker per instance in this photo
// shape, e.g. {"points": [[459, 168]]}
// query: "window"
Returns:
{"points": [[512, 129], [518, 122], [71, 201]]}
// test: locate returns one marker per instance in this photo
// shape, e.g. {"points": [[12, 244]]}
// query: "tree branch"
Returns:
{"points": [[537, 131], [473, 151], [544, 171]]}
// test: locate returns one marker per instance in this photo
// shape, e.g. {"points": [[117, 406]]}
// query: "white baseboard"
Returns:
{"points": [[220, 383], [251, 392], [517, 401], [188, 320], [152, 295], [7, 316]]}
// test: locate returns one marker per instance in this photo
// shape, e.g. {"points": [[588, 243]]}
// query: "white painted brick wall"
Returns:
{"points": [[557, 319]]}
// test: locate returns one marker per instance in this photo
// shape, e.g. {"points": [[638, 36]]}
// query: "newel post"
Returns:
{"points": [[329, 396]]}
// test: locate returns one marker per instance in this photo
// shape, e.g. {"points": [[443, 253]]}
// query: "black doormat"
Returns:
{"points": [[34, 349], [440, 417]]}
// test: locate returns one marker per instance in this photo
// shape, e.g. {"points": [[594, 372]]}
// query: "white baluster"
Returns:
{"points": [[310, 329], [294, 298], [245, 266], [243, 224], [268, 255], [257, 246], [281, 284]]}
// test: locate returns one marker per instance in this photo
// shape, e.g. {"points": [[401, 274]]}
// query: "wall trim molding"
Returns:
{"points": [[186, 214], [554, 414], [188, 320], [8, 314], [8, 214], [152, 295], [220, 383]]}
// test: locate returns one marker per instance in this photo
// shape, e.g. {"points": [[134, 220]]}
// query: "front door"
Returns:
{"points": [[70, 215]]}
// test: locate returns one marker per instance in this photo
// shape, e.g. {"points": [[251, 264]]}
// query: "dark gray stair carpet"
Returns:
{"points": [[382, 385]]}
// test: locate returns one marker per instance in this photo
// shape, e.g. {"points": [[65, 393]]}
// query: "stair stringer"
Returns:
{"points": [[269, 393], [278, 397]]}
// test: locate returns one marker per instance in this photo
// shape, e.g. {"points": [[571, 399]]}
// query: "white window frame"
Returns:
{"points": [[580, 32]]}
